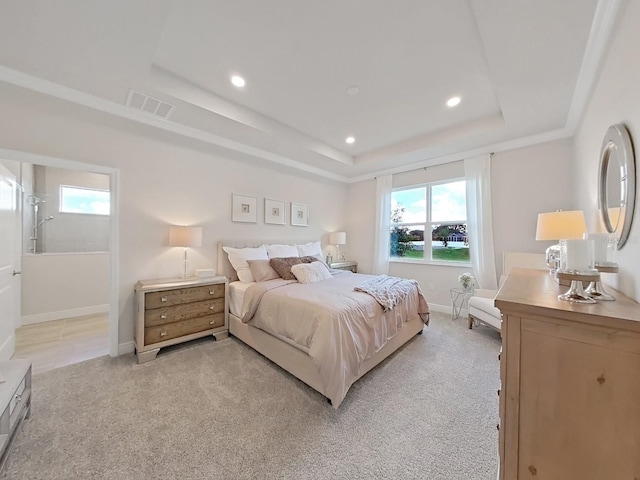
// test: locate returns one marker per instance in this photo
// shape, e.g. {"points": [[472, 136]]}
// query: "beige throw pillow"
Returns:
{"points": [[261, 270]]}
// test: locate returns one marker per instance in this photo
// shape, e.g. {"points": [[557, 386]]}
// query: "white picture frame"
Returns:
{"points": [[244, 209], [299, 214], [274, 212]]}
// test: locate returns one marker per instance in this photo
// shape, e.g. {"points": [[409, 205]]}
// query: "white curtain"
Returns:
{"points": [[384, 184], [477, 171]]}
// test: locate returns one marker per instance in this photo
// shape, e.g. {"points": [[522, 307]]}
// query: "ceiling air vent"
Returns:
{"points": [[140, 101]]}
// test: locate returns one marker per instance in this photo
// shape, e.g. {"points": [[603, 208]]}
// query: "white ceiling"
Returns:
{"points": [[523, 69]]}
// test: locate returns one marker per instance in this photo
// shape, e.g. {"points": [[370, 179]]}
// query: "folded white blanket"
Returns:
{"points": [[388, 291]]}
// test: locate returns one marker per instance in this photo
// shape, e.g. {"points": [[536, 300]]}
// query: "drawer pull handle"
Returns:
{"points": [[212, 307], [163, 333], [164, 299], [212, 322], [163, 316], [211, 292], [18, 397]]}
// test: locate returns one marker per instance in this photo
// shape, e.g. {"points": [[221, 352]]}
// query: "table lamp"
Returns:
{"points": [[559, 225], [181, 236], [337, 239]]}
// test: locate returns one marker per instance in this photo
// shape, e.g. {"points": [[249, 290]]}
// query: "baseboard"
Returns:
{"points": [[126, 347], [74, 312], [434, 307]]}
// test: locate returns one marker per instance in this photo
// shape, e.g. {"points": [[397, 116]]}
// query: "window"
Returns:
{"points": [[437, 208], [84, 200]]}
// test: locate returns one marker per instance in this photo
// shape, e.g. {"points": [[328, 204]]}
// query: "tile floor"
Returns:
{"points": [[62, 342]]}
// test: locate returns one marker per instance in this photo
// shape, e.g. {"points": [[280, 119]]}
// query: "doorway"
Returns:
{"points": [[80, 331]]}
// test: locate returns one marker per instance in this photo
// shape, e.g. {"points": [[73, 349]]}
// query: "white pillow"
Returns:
{"points": [[310, 272], [238, 258], [311, 249], [281, 251]]}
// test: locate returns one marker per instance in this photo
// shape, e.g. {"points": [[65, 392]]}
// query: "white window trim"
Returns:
{"points": [[77, 187], [428, 225]]}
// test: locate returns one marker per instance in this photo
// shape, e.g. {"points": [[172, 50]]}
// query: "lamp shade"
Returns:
{"points": [[561, 225], [338, 238], [180, 236]]}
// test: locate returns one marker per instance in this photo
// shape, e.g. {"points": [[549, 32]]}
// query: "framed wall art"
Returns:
{"points": [[274, 212], [244, 209], [299, 214]]}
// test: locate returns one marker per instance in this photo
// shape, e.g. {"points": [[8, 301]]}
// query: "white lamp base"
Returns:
{"points": [[186, 263]]}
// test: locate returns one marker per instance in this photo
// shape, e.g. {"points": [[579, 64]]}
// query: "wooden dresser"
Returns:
{"points": [[570, 396], [171, 311], [15, 402]]}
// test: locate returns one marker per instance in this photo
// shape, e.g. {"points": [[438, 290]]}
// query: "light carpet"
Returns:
{"points": [[219, 410]]}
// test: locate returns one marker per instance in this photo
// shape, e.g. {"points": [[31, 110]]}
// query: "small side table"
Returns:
{"points": [[459, 301], [345, 265]]}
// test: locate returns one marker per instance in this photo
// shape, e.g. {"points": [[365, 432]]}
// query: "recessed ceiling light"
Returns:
{"points": [[353, 90], [453, 101], [238, 81], [350, 140]]}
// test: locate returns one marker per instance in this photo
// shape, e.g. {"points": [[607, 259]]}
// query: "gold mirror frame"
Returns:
{"points": [[617, 182]]}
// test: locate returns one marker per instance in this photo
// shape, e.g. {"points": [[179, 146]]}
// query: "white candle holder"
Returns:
{"points": [[576, 256]]}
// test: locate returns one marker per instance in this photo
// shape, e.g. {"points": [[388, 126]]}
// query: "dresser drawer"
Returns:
{"points": [[15, 399], [182, 295], [169, 331], [186, 311]]}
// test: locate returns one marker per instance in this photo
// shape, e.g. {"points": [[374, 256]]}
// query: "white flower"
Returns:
{"points": [[466, 280]]}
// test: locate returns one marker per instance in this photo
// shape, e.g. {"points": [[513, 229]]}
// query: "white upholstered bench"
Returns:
{"points": [[481, 307]]}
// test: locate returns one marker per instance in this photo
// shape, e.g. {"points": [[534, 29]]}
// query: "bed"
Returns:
{"points": [[309, 356]]}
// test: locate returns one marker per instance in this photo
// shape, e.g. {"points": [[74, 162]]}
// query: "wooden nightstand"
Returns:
{"points": [[345, 265], [171, 311]]}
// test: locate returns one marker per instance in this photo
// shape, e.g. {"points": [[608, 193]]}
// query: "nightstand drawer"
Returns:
{"points": [[169, 331], [170, 311], [186, 311], [182, 295]]}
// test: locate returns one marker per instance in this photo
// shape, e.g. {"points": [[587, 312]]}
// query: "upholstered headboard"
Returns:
{"points": [[224, 266]]}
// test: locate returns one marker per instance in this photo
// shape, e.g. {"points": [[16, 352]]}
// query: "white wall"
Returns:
{"points": [[167, 182], [524, 182], [61, 285], [616, 99]]}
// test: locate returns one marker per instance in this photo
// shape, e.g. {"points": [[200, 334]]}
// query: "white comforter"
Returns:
{"points": [[340, 327]]}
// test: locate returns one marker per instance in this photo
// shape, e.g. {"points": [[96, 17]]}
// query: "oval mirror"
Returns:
{"points": [[617, 182]]}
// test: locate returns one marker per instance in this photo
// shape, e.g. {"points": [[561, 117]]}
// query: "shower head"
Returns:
{"points": [[35, 200], [45, 219]]}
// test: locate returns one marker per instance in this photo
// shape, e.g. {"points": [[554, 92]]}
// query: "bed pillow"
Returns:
{"points": [[238, 258], [283, 266], [310, 272], [261, 270], [312, 249], [282, 251]]}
